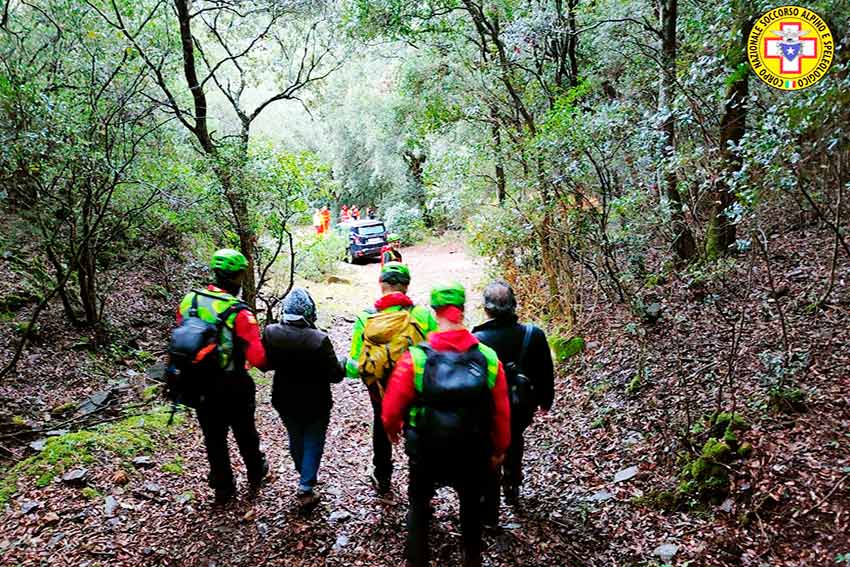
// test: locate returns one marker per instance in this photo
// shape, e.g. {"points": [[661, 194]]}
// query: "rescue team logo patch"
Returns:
{"points": [[790, 48]]}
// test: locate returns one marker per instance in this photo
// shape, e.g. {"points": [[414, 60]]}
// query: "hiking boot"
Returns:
{"points": [[254, 486], [224, 495], [381, 485], [511, 492], [307, 500]]}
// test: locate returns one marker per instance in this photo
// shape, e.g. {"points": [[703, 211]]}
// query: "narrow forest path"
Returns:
{"points": [[163, 514], [573, 510], [354, 287]]}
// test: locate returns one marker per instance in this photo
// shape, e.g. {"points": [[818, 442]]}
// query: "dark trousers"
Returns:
{"points": [[306, 445], [216, 419], [382, 449], [512, 468], [509, 474], [464, 474]]}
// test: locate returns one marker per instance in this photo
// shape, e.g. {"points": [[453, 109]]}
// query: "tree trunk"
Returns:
{"points": [[501, 183], [721, 233], [242, 223], [683, 240], [87, 276], [230, 180], [573, 43], [416, 168]]}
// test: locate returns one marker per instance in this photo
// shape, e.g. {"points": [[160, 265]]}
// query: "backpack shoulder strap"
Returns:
{"points": [[492, 364], [526, 340], [193, 309], [225, 315], [414, 322], [419, 356]]}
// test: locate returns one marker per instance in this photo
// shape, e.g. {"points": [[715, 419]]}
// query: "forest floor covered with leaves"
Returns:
{"points": [[599, 467]]}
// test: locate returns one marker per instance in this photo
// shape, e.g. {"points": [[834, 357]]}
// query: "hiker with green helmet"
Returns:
{"points": [[381, 336], [449, 395], [390, 252], [217, 340]]}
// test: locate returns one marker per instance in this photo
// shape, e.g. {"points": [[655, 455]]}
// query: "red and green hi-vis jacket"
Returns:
{"points": [[401, 391]]}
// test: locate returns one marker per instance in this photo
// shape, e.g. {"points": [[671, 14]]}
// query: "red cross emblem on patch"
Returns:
{"points": [[790, 47]]}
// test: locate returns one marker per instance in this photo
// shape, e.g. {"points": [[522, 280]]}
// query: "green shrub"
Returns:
{"points": [[318, 258], [406, 221], [787, 399], [90, 493], [633, 387], [174, 467]]}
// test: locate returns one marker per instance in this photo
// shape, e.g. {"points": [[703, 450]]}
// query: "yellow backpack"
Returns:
{"points": [[386, 336]]}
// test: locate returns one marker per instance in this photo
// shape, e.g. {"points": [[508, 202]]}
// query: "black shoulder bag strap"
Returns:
{"points": [[526, 340], [225, 315]]}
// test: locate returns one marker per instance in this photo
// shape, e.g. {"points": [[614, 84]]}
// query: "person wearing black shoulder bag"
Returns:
{"points": [[524, 351]]}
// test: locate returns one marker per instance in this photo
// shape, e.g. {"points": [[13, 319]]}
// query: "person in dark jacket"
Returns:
{"points": [[305, 365], [505, 334]]}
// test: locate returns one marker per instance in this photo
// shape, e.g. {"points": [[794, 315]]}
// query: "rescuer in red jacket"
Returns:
{"points": [[229, 403], [449, 395]]}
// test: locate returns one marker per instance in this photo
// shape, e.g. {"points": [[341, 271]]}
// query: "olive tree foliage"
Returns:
{"points": [[395, 138], [76, 135], [291, 182], [357, 135], [620, 138], [249, 55], [377, 154]]}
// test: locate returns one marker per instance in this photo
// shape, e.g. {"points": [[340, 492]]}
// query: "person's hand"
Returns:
{"points": [[394, 437], [496, 461]]}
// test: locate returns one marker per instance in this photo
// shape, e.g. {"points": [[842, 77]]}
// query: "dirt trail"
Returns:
{"points": [[430, 263], [173, 523]]}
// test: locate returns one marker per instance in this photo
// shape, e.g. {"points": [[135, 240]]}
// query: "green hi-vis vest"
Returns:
{"points": [[211, 305], [420, 358]]}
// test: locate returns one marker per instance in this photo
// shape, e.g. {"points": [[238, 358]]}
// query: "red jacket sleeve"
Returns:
{"points": [[500, 429], [399, 395], [247, 329]]}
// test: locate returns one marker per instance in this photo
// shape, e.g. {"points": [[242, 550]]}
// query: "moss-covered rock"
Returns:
{"points": [[658, 500], [64, 409], [715, 450], [565, 348], [745, 450], [123, 439], [726, 420], [706, 477]]}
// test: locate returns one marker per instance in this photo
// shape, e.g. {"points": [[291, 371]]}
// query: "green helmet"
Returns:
{"points": [[393, 237], [395, 273], [228, 260], [451, 294]]}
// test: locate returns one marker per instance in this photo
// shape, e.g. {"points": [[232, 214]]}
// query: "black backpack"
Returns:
{"points": [[520, 387], [194, 354], [454, 404]]}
